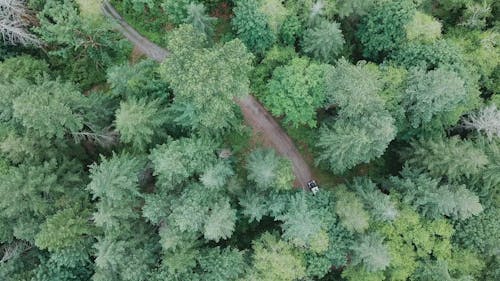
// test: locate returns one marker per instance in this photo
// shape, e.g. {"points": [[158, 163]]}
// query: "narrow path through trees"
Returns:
{"points": [[256, 116]]}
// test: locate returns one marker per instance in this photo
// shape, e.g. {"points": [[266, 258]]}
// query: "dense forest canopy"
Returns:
{"points": [[115, 167]]}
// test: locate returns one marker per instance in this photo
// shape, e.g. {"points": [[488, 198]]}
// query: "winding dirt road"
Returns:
{"points": [[256, 116]]}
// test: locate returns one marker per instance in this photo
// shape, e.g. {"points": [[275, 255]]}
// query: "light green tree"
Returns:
{"points": [[437, 94], [297, 90], [207, 79], [268, 170], [350, 210], [372, 253], [324, 41], [363, 128], [139, 121], [423, 28], [433, 200], [50, 108], [177, 160], [196, 15], [114, 182], [275, 260], [450, 157]]}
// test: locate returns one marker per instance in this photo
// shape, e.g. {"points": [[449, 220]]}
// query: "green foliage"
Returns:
{"points": [[38, 190], [138, 122], [177, 160], [275, 57], [290, 30], [49, 108], [382, 30], [302, 86], [364, 127], [449, 157], [409, 238], [423, 28], [359, 273], [275, 260], [207, 79], [66, 228], [479, 233], [176, 10], [251, 26], [437, 94], [90, 45], [115, 182], [300, 222], [372, 253], [220, 223], [126, 258], [324, 42], [350, 210], [222, 264], [379, 205], [196, 16], [434, 200], [137, 80], [216, 177], [22, 67], [195, 211], [268, 170], [254, 206], [275, 13]]}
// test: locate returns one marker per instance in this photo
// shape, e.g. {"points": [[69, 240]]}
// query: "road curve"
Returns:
{"points": [[256, 116], [147, 47]]}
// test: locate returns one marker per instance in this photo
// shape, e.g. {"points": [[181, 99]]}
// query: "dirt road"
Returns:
{"points": [[148, 48], [272, 135], [256, 116]]}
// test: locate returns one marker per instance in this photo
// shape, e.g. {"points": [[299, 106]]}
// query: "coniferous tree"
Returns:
{"points": [[138, 122], [364, 127], [196, 15], [372, 253], [323, 42], [451, 157], [251, 26]]}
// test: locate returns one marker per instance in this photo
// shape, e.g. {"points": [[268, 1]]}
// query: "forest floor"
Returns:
{"points": [[264, 126]]}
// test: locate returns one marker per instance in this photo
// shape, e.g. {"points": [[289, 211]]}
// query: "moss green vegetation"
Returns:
{"points": [[114, 167]]}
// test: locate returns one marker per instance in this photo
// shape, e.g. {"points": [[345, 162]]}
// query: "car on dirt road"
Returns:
{"points": [[313, 186]]}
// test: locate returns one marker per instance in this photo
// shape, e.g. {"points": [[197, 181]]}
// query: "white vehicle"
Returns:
{"points": [[313, 186]]}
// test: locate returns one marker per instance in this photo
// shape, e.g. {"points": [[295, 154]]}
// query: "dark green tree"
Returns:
{"points": [[250, 25]]}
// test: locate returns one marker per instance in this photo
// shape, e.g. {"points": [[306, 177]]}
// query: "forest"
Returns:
{"points": [[172, 140]]}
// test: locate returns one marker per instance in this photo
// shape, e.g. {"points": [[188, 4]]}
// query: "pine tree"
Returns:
{"points": [[275, 260], [50, 108], [372, 253], [221, 222], [179, 159], [434, 95], [452, 157], [138, 122], [114, 182], [267, 170], [196, 15], [251, 26], [434, 200], [350, 211], [363, 128], [324, 42]]}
